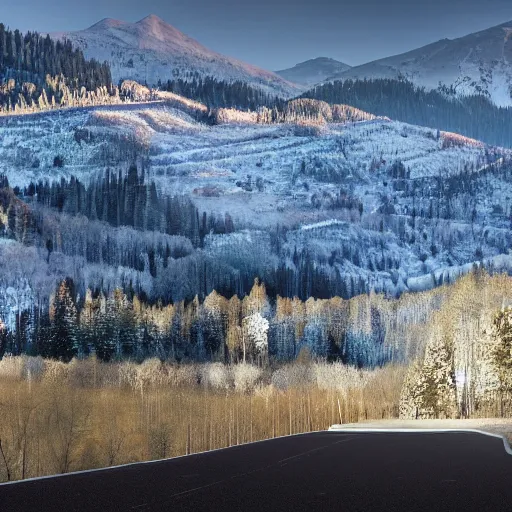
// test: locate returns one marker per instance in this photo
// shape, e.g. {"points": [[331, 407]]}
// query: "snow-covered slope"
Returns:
{"points": [[336, 190], [188, 154], [476, 63], [152, 50], [313, 71]]}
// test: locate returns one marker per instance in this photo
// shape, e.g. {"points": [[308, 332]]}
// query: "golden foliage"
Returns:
{"points": [[89, 414]]}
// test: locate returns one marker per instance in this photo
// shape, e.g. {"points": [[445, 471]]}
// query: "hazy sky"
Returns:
{"points": [[276, 34]]}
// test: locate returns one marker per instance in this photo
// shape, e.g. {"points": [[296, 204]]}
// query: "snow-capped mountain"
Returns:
{"points": [[476, 63], [313, 71], [152, 50]]}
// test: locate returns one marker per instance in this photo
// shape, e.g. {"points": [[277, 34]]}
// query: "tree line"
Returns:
{"points": [[254, 329], [219, 93], [127, 199], [48, 215], [169, 250], [31, 57]]}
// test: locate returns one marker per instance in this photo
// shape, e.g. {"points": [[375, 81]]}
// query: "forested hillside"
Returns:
{"points": [[474, 116], [123, 224], [217, 93], [115, 268], [36, 70]]}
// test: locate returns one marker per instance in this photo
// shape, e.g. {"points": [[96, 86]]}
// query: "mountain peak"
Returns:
{"points": [[151, 19], [153, 26], [151, 50], [313, 71], [106, 23], [477, 63], [323, 59]]}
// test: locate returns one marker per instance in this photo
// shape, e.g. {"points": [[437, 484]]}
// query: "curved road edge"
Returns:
{"points": [[341, 428]]}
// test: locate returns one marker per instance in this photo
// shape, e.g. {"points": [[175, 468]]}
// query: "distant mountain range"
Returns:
{"points": [[151, 50], [313, 71], [479, 63]]}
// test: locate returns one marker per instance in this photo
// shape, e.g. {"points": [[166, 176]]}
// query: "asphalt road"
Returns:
{"points": [[326, 471]]}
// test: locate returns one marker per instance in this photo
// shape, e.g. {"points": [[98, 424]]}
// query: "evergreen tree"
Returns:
{"points": [[63, 342], [214, 93]]}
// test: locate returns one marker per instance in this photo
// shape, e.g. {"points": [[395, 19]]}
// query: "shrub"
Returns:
{"points": [[245, 377]]}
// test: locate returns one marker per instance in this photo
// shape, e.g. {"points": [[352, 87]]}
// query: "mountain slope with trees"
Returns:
{"points": [[478, 63], [40, 72], [474, 116], [151, 206]]}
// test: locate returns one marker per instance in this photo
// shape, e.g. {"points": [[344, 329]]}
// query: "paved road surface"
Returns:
{"points": [[326, 471]]}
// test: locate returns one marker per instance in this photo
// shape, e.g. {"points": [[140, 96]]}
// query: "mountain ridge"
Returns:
{"points": [[477, 63], [151, 50], [313, 71]]}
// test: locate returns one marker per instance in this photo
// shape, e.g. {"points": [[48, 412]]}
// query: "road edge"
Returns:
{"points": [[340, 428], [141, 462]]}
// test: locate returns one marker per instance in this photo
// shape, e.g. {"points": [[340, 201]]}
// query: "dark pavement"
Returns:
{"points": [[325, 471]]}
